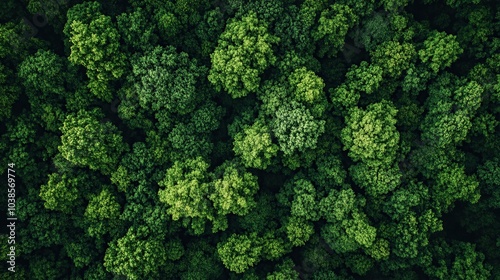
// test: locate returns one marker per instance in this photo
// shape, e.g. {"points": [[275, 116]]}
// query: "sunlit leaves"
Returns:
{"points": [[59, 193], [96, 46], [243, 53], [298, 230], [239, 252], [334, 22], [365, 77], [296, 128], [370, 135], [103, 206], [186, 188], [255, 146], [135, 257], [441, 50], [88, 142], [233, 190], [308, 87], [393, 57]]}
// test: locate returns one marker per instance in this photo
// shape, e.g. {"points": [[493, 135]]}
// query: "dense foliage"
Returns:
{"points": [[260, 139]]}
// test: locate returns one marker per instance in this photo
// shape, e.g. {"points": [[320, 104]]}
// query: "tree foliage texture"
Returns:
{"points": [[259, 139]]}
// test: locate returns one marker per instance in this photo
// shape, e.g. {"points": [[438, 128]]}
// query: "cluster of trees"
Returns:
{"points": [[261, 139]]}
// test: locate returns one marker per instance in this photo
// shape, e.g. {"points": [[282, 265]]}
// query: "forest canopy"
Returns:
{"points": [[260, 139]]}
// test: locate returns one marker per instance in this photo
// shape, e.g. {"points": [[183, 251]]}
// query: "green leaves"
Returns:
{"points": [[243, 53], [393, 57], [8, 92], [103, 206], [135, 30], [200, 261], [254, 146], [370, 135], [376, 180], [60, 192], [186, 190], [43, 72], [136, 258], [298, 230], [284, 271], [308, 87], [95, 45], [193, 193], [441, 50], [337, 205], [304, 202], [453, 184], [464, 263], [88, 142], [233, 190], [365, 77], [45, 75], [356, 139], [239, 252], [296, 129], [334, 23], [167, 80], [451, 105]]}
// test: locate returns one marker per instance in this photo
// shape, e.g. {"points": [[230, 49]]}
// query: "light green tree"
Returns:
{"points": [[370, 135], [86, 141], [441, 50], [96, 46], [243, 53], [239, 252], [334, 22], [136, 257], [254, 145], [233, 190], [186, 191]]}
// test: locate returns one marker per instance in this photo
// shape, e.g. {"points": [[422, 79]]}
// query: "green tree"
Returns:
{"points": [[103, 212], [186, 190], [296, 128], [284, 271], [254, 146], [304, 202], [167, 80], [365, 77], [334, 22], [9, 92], [239, 252], [95, 45], [44, 76], [308, 87], [60, 192], [453, 184], [243, 53], [136, 257], [200, 262], [136, 30], [393, 57], [451, 105], [370, 135], [298, 230], [234, 189], [376, 180], [441, 50], [85, 141], [458, 260], [82, 251]]}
